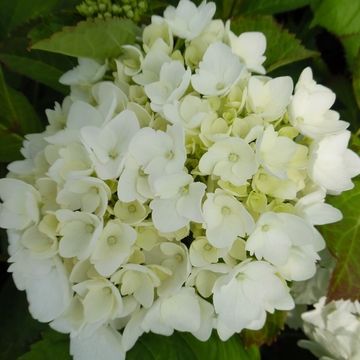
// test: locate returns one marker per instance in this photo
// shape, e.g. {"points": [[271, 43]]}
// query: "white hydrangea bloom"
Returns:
{"points": [[279, 154], [139, 281], [182, 311], [158, 152], [333, 329], [189, 113], [313, 208], [79, 232], [104, 343], [242, 297], [134, 183], [218, 71], [152, 64], [332, 164], [173, 82], [20, 206], [113, 247], [108, 145], [268, 97], [288, 242], [309, 110], [88, 194], [179, 202], [186, 20], [175, 257], [156, 184], [250, 47], [225, 219], [69, 161], [231, 159], [80, 114], [87, 72], [202, 253], [101, 301]]}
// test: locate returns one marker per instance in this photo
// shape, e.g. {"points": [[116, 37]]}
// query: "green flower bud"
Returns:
{"points": [[256, 202]]}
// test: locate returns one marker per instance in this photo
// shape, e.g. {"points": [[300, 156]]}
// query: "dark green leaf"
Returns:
{"points": [[17, 328], [339, 17], [53, 346], [267, 335], [17, 114], [356, 79], [271, 7], [291, 49], [98, 39], [182, 346], [17, 12], [343, 241], [10, 145], [342, 18], [36, 70]]}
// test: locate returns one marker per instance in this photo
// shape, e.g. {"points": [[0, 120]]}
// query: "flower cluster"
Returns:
{"points": [[105, 9], [181, 195], [333, 329]]}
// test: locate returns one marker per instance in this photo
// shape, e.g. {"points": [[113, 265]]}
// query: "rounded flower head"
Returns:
{"points": [[174, 176]]}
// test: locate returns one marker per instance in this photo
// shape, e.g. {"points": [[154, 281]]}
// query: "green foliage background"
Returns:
{"points": [[39, 40]]}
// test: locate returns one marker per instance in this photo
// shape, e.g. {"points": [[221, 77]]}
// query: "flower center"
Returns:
{"points": [[107, 290], [141, 172], [169, 155], [113, 154], [89, 228], [265, 228], [179, 258], [184, 190], [207, 247], [225, 210], [111, 240], [132, 208], [233, 157], [220, 86]]}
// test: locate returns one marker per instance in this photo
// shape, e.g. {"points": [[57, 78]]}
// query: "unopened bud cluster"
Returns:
{"points": [[104, 9]]}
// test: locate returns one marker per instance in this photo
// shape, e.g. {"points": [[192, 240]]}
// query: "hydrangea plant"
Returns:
{"points": [[176, 188]]}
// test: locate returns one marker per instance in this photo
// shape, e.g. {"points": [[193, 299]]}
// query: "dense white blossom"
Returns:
{"points": [[175, 190], [333, 329], [187, 21]]}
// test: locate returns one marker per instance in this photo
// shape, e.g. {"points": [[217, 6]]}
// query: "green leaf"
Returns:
{"points": [[17, 12], [17, 114], [17, 328], [182, 346], [10, 145], [343, 241], [36, 70], [53, 346], [339, 17], [98, 39], [282, 47], [356, 79], [275, 323], [351, 45], [271, 7], [342, 18]]}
